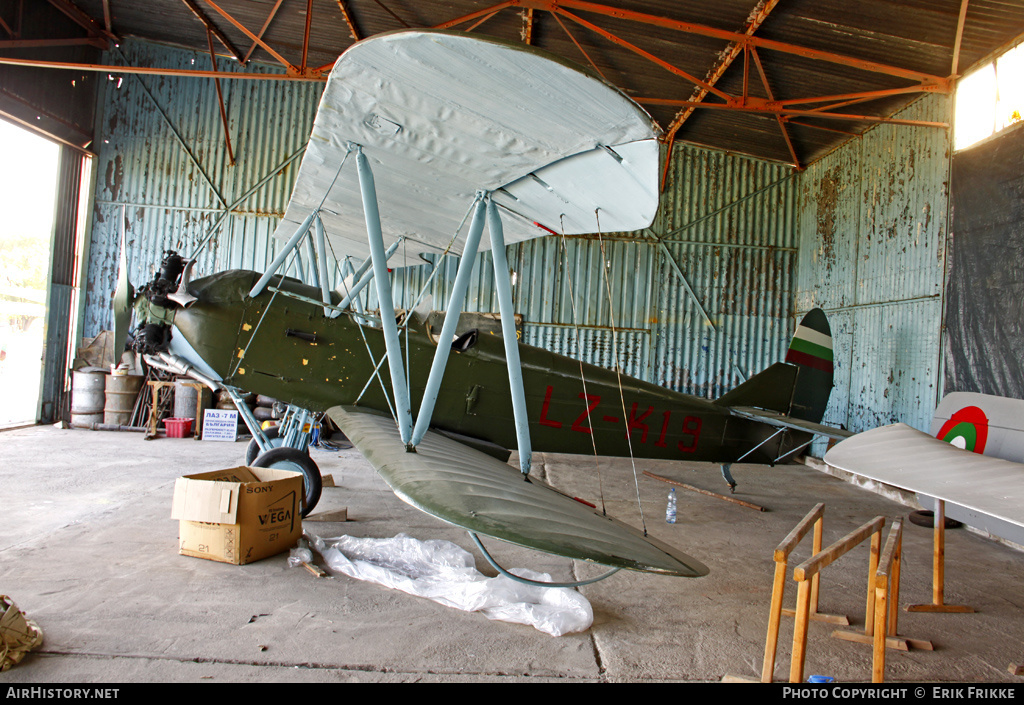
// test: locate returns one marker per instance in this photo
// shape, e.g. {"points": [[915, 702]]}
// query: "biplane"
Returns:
{"points": [[422, 141]]}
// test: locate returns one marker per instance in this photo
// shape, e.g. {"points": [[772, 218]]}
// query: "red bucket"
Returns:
{"points": [[177, 427]]}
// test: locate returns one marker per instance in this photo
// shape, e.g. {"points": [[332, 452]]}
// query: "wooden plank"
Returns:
{"points": [[829, 555]]}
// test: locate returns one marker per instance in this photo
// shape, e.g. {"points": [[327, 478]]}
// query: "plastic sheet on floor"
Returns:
{"points": [[445, 573]]}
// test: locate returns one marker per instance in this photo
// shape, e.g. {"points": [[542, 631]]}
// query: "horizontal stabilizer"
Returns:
{"points": [[481, 494], [782, 421]]}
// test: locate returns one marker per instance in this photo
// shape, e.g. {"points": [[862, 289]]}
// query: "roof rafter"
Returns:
{"points": [[732, 52], [740, 38], [82, 19], [766, 107], [214, 30]]}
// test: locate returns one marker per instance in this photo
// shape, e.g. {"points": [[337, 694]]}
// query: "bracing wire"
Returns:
{"points": [[583, 377], [618, 367], [447, 250], [369, 352], [245, 350]]}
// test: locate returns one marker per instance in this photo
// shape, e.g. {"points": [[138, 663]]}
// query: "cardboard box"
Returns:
{"points": [[238, 515]]}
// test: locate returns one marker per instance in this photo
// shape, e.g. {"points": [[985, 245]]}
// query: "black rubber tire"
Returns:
{"points": [[926, 518], [253, 449], [296, 461]]}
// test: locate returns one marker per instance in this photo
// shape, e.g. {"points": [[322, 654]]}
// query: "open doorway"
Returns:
{"points": [[28, 184]]}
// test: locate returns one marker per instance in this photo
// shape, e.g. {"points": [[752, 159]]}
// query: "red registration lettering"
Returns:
{"points": [[691, 428], [634, 423], [544, 410], [664, 430], [594, 401]]}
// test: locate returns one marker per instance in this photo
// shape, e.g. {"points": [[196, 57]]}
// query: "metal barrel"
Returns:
{"points": [[187, 398], [87, 398], [121, 393]]}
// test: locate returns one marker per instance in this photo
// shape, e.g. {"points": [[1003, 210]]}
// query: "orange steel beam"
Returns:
{"points": [[582, 50], [263, 29], [480, 21], [106, 16], [840, 104], [862, 95], [82, 19], [760, 43], [760, 14], [794, 121], [7, 28], [746, 72], [479, 13], [305, 34], [765, 107], [637, 50], [353, 32], [526, 34], [778, 118], [220, 98], [670, 144], [211, 27], [101, 68], [283, 61]]}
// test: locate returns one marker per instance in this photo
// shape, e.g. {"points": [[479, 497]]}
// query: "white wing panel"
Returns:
{"points": [[443, 115], [904, 457]]}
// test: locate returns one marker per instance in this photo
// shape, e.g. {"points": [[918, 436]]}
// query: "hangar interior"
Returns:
{"points": [[809, 159]]}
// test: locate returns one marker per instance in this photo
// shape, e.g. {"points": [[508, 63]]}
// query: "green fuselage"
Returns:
{"points": [[288, 349]]}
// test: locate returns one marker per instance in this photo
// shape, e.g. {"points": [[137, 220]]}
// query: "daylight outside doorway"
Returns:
{"points": [[28, 186]]}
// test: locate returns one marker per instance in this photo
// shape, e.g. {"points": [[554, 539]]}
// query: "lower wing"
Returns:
{"points": [[483, 495]]}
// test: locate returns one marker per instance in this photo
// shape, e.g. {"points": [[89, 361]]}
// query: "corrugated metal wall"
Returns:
{"points": [[163, 161], [705, 298], [872, 254], [728, 228]]}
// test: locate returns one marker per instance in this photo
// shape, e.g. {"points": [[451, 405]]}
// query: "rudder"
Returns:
{"points": [[811, 352], [800, 386]]}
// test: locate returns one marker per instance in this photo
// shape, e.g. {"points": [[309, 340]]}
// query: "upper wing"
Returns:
{"points": [[484, 495], [443, 115], [905, 457]]}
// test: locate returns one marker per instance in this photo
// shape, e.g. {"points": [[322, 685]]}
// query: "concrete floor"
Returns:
{"points": [[88, 551]]}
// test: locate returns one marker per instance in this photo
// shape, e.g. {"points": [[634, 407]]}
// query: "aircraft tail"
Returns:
{"points": [[800, 386]]}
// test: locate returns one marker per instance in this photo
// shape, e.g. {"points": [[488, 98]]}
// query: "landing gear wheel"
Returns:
{"points": [[273, 435], [296, 461]]}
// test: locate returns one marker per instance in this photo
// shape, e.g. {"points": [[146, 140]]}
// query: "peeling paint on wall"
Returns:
{"points": [[872, 254]]}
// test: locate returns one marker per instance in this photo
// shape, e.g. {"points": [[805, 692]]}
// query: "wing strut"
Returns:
{"points": [[375, 239], [376, 267], [364, 274], [451, 321], [503, 287], [484, 208]]}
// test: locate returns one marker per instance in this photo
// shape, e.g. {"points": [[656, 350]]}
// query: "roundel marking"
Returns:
{"points": [[967, 429]]}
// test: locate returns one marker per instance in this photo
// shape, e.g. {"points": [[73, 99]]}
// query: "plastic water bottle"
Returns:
{"points": [[670, 512]]}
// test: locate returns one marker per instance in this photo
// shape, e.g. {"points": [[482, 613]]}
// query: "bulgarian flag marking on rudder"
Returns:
{"points": [[811, 348]]}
